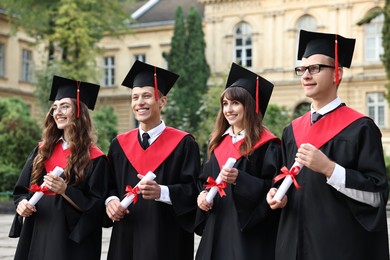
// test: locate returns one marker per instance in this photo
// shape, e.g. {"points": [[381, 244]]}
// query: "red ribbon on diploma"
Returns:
{"points": [[130, 190], [45, 190], [285, 172], [210, 182]]}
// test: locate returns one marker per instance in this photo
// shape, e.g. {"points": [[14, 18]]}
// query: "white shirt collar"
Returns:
{"points": [[328, 107], [235, 137], [153, 133], [64, 143]]}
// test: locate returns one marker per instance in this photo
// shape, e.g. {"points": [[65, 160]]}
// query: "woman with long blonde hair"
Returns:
{"points": [[66, 223]]}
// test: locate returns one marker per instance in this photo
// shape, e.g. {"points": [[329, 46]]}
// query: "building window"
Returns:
{"points": [[27, 66], [307, 23], [243, 45], [140, 57], [109, 71], [373, 39], [376, 104], [2, 60]]}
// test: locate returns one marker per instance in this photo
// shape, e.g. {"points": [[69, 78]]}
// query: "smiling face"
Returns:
{"points": [[63, 112], [145, 107], [233, 111], [320, 87]]}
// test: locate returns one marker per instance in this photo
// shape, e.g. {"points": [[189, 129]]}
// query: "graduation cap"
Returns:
{"points": [[331, 45], [69, 88], [259, 88], [142, 74]]}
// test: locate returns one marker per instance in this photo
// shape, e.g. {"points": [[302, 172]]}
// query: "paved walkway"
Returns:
{"points": [[7, 245]]}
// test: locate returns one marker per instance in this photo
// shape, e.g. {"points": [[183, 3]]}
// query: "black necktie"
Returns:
{"points": [[315, 117], [145, 138]]}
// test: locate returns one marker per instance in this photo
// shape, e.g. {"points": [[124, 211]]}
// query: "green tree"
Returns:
{"points": [[19, 133], [207, 113], [385, 35], [105, 123], [176, 62], [187, 58], [197, 69], [276, 119], [70, 30]]}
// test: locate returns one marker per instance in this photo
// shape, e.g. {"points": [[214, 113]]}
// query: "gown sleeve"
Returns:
{"points": [[89, 198], [20, 192], [251, 189]]}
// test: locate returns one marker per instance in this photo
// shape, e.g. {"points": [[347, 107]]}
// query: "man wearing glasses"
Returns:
{"points": [[340, 211]]}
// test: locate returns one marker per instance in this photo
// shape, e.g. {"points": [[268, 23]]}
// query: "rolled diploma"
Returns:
{"points": [[213, 191], [38, 195], [286, 184], [129, 199]]}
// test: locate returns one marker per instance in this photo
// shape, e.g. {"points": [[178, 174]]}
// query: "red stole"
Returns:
{"points": [[151, 158], [228, 149], [60, 156], [325, 129]]}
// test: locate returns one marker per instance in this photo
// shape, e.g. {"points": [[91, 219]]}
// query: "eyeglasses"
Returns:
{"points": [[313, 69], [62, 109]]}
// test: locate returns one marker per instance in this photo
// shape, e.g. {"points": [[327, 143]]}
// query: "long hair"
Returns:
{"points": [[252, 122], [80, 137]]}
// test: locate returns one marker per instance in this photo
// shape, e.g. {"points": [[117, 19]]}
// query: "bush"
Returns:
{"points": [[19, 134], [105, 124]]}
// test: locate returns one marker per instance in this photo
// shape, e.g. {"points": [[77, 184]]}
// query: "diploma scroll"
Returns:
{"points": [[38, 195], [128, 199], [288, 180], [213, 191]]}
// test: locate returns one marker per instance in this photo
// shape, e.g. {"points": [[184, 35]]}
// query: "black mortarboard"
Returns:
{"points": [[324, 43], [331, 45], [69, 88], [259, 88], [142, 74]]}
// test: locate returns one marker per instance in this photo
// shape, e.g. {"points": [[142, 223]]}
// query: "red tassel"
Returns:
{"points": [[78, 99], [155, 84], [336, 60], [257, 94]]}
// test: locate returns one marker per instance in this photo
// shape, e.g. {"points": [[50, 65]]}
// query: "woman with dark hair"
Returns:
{"points": [[240, 225], [66, 223]]}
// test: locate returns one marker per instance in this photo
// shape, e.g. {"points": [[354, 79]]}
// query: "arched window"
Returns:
{"points": [[373, 39], [301, 109], [243, 45], [307, 23]]}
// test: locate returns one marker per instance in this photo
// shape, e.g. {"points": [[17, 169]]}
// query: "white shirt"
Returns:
{"points": [[337, 179], [154, 134], [235, 137]]}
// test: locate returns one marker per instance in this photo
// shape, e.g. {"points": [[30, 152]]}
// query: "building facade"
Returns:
{"points": [[259, 34]]}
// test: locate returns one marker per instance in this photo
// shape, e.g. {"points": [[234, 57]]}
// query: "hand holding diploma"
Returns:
{"points": [[43, 189], [218, 185], [132, 193], [289, 178]]}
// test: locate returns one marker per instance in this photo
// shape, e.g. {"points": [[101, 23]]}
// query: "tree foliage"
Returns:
{"points": [[276, 119], [187, 58], [19, 133], [105, 123], [70, 31], [386, 42], [207, 113], [385, 11]]}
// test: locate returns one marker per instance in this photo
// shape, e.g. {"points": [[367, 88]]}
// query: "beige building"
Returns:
{"points": [[259, 34]]}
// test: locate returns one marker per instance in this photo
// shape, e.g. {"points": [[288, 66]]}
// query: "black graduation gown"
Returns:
{"points": [[319, 222], [57, 230], [156, 230], [241, 224]]}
